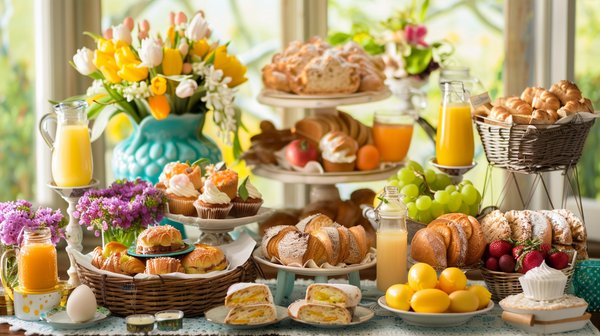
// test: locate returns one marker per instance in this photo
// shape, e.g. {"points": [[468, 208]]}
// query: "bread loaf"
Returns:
{"points": [[495, 227]]}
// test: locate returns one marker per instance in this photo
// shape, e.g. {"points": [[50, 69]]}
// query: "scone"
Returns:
{"points": [[495, 227]]}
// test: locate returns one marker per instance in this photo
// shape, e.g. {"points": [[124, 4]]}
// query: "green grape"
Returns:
{"points": [[402, 184], [414, 166], [464, 209], [430, 176], [418, 181], [436, 209], [410, 190], [406, 175], [393, 177], [442, 181], [433, 186], [478, 201], [423, 203], [469, 194], [465, 182], [392, 183], [407, 200], [425, 217], [442, 197], [450, 189], [474, 210], [412, 210], [455, 201]]}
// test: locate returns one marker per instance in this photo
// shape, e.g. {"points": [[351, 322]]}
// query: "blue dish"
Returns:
{"points": [[186, 249]]}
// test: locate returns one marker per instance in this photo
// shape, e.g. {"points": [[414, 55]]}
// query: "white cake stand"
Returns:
{"points": [[322, 103], [73, 231], [215, 231]]}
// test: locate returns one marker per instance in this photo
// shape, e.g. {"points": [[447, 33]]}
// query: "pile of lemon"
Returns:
{"points": [[424, 293]]}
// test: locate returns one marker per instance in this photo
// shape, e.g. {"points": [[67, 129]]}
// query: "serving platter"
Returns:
{"points": [[361, 315], [218, 314], [291, 100], [220, 225], [187, 248], [440, 320], [313, 271]]}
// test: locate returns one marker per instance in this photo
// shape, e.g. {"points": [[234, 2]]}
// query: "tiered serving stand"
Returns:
{"points": [[322, 184]]}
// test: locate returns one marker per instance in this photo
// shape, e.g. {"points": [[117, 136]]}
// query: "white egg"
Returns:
{"points": [[81, 305]]}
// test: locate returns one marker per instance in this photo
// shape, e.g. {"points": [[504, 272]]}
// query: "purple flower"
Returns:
{"points": [[16, 216]]}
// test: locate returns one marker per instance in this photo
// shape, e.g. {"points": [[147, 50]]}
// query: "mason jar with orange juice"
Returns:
{"points": [[392, 132], [455, 144]]}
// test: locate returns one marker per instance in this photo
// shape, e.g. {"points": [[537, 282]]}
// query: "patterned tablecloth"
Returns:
{"points": [[384, 323]]}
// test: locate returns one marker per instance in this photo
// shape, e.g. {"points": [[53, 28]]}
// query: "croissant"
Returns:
{"points": [[500, 113], [514, 105], [546, 100], [101, 254], [575, 106], [163, 265], [566, 91], [541, 117], [121, 263], [530, 93], [97, 257]]}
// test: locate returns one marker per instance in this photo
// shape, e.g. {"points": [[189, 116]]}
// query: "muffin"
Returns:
{"points": [[181, 194], [226, 181], [250, 206], [213, 203], [338, 151]]}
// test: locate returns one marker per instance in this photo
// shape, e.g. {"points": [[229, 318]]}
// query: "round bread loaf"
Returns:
{"points": [[519, 225], [578, 230], [428, 247], [540, 227], [561, 231], [455, 240], [476, 240]]}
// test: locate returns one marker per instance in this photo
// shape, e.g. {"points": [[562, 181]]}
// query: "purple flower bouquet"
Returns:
{"points": [[122, 210]]}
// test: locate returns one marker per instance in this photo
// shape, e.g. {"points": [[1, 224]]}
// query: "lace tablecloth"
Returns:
{"points": [[384, 323]]}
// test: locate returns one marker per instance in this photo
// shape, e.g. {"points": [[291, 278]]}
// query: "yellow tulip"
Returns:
{"points": [[172, 62], [128, 64], [230, 65], [90, 100], [171, 35], [106, 46], [158, 85], [124, 56], [200, 48], [159, 106], [107, 64]]}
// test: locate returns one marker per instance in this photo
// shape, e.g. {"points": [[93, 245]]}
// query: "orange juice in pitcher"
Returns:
{"points": [[455, 144], [392, 133]]}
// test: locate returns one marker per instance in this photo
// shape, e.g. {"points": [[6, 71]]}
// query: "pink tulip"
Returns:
{"points": [[171, 18], [108, 34], [144, 26], [208, 33], [143, 35], [187, 68], [160, 41], [180, 18], [201, 12], [129, 23], [416, 35]]}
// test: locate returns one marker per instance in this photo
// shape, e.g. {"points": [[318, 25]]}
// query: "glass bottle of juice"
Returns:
{"points": [[391, 239], [455, 145]]}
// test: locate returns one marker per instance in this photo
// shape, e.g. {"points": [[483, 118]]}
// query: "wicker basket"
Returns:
{"points": [[502, 284], [192, 296], [532, 148]]}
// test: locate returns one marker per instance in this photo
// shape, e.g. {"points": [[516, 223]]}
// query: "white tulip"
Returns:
{"points": [[183, 47], [121, 32], [84, 61], [186, 88], [197, 28], [151, 53]]}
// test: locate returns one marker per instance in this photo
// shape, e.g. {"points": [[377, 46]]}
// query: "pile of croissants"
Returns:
{"points": [[538, 106]]}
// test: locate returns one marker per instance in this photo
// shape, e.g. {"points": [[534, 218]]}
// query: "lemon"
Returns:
{"points": [[430, 301], [463, 301], [399, 296], [376, 200], [482, 293], [422, 276], [452, 279]]}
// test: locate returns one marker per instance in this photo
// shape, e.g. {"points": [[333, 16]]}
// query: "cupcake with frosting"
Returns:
{"points": [[339, 152], [181, 194], [193, 172], [248, 200], [213, 203], [543, 283], [226, 181]]}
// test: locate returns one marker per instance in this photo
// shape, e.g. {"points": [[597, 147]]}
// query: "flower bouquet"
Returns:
{"points": [[182, 72], [121, 211], [15, 217]]}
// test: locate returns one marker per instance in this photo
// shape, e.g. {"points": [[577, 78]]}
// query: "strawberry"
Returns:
{"points": [[499, 248], [529, 260], [507, 263], [544, 249], [492, 264], [516, 252], [557, 259]]}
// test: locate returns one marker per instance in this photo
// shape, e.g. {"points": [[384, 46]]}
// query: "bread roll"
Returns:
{"points": [[204, 259], [121, 263], [347, 213], [574, 106], [476, 241], [514, 105], [540, 227], [164, 238], [428, 247], [99, 255], [530, 93], [455, 240], [363, 196], [545, 100], [246, 294], [327, 208], [163, 265], [542, 117]]}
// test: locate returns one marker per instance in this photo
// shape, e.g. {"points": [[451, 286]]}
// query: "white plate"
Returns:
{"points": [[59, 319], [313, 271], [361, 315], [218, 315], [285, 99], [434, 320], [221, 225]]}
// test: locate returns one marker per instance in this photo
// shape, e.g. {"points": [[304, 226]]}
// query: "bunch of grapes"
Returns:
{"points": [[430, 195]]}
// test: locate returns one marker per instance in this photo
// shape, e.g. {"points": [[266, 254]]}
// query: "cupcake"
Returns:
{"points": [[194, 173], [213, 203], [338, 151], [252, 202], [226, 181], [181, 194], [543, 283]]}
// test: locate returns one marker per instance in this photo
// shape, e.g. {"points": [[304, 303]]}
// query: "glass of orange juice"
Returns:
{"points": [[392, 132]]}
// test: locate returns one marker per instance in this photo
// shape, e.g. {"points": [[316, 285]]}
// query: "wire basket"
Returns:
{"points": [[533, 148], [192, 296]]}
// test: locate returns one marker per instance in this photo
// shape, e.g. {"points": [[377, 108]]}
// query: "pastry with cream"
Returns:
{"points": [[159, 239], [338, 151], [213, 203], [204, 259], [181, 194], [543, 283], [247, 293], [248, 200]]}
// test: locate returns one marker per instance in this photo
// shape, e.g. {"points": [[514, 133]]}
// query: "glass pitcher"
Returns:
{"points": [[455, 145], [461, 74], [36, 259], [71, 148], [392, 237]]}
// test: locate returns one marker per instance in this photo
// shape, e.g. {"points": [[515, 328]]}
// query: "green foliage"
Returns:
{"points": [[418, 60]]}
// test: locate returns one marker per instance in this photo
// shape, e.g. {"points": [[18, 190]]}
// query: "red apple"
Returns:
{"points": [[300, 152]]}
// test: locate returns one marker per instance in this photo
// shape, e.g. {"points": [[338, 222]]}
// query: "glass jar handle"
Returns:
{"points": [[4, 269], [44, 128]]}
